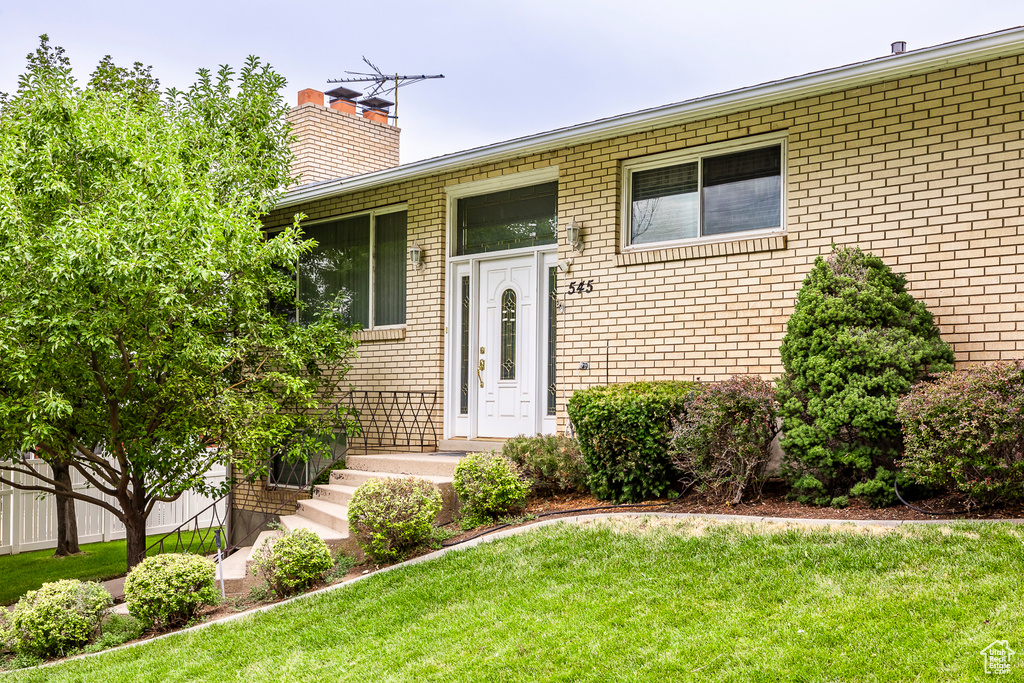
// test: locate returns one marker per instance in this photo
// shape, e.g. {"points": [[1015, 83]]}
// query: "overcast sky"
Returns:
{"points": [[511, 68]]}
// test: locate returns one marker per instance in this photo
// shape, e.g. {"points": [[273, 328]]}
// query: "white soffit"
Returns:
{"points": [[960, 52]]}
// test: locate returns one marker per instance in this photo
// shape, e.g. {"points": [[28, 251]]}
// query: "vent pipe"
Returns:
{"points": [[899, 47]]}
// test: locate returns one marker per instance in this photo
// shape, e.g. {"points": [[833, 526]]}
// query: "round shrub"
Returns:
{"points": [[165, 591], [489, 485], [856, 342], [58, 618], [623, 432], [392, 516], [966, 431], [293, 561], [721, 444], [550, 462]]}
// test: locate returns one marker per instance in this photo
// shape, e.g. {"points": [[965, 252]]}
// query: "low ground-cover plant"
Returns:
{"points": [[166, 591], [293, 561], [116, 629], [392, 516], [549, 462], [856, 342], [966, 431], [623, 432], [489, 486], [721, 444], [60, 617]]}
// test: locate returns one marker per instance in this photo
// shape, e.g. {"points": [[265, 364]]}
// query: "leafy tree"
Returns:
{"points": [[856, 342], [139, 336]]}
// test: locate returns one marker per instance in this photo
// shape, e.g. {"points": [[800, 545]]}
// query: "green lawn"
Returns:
{"points": [[632, 601], [97, 562]]}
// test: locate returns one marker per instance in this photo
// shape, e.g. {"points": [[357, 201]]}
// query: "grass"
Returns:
{"points": [[631, 601], [97, 562]]}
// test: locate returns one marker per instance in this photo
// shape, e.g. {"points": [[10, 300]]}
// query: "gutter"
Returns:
{"points": [[968, 50]]}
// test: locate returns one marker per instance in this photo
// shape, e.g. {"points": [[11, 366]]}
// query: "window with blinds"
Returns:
{"points": [[705, 195], [510, 219], [356, 269]]}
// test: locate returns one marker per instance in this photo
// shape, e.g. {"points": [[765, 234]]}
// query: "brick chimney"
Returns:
{"points": [[335, 141]]}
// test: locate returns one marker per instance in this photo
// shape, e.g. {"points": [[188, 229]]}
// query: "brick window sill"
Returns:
{"points": [[706, 250], [386, 334]]}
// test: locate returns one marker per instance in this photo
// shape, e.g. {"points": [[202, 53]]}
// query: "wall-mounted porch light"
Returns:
{"points": [[572, 235], [416, 256]]}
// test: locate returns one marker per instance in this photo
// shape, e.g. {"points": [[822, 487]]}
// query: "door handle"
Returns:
{"points": [[479, 369]]}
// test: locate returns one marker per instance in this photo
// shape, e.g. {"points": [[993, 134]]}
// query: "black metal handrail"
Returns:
{"points": [[386, 419]]}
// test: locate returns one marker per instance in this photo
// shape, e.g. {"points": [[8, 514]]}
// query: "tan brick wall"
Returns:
{"points": [[923, 171], [334, 144]]}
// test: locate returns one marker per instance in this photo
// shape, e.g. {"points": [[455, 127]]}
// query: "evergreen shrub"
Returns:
{"points": [[292, 562], [623, 432], [966, 431], [167, 591], [549, 462], [721, 444], [392, 516], [856, 342]]}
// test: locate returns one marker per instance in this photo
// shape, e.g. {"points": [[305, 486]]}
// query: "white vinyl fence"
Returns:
{"points": [[28, 520]]}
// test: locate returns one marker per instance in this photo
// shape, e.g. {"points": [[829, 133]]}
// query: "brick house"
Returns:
{"points": [[697, 223]]}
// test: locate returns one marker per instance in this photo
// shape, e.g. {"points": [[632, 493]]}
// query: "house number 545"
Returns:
{"points": [[581, 287]]}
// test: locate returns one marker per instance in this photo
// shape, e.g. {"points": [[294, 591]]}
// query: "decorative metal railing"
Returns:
{"points": [[386, 419], [402, 419]]}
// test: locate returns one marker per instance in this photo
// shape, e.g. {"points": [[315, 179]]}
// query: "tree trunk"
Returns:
{"points": [[135, 533], [67, 520]]}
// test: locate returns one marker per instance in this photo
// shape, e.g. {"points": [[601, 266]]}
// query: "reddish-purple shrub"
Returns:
{"points": [[966, 430], [721, 444]]}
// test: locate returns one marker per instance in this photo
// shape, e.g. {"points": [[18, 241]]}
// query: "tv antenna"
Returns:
{"points": [[383, 83]]}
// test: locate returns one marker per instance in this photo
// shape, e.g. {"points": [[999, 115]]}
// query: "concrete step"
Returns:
{"points": [[238, 576], [334, 493], [416, 464], [356, 478], [349, 480], [334, 539], [470, 445], [325, 513]]}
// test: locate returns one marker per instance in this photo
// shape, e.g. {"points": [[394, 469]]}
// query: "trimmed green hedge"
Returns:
{"points": [[624, 431]]}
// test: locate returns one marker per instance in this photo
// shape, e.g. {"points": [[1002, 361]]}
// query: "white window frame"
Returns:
{"points": [[697, 155], [372, 213]]}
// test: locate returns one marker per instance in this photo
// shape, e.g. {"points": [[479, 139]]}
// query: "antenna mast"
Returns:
{"points": [[382, 83]]}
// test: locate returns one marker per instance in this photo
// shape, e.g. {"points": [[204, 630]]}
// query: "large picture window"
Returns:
{"points": [[687, 197], [361, 257]]}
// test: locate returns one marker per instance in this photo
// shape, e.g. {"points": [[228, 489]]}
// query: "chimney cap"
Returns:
{"points": [[375, 103], [343, 93]]}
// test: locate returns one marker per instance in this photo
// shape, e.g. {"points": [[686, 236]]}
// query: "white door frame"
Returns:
{"points": [[465, 425]]}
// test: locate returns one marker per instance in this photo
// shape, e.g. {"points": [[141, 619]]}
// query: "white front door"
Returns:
{"points": [[507, 371]]}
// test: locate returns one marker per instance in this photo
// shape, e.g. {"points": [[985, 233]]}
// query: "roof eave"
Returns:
{"points": [[968, 50]]}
